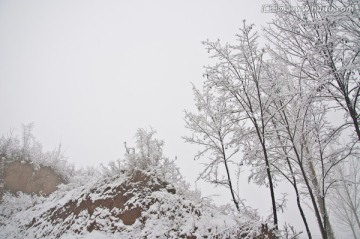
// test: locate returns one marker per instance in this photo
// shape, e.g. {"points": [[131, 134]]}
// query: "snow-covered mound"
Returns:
{"points": [[130, 205]]}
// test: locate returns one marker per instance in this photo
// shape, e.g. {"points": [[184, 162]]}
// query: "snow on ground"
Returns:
{"points": [[129, 205]]}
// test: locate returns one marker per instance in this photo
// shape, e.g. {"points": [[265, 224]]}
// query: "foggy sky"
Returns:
{"points": [[89, 73]]}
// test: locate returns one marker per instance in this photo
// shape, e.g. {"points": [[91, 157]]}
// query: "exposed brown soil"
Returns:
{"points": [[115, 199], [24, 177], [124, 203]]}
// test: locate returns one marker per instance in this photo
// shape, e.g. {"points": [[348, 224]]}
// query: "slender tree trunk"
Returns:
{"points": [[229, 177], [343, 90], [354, 116], [268, 172], [301, 165], [350, 200], [298, 199], [231, 187], [320, 200], [2, 173], [271, 186], [313, 200], [261, 138], [353, 231]]}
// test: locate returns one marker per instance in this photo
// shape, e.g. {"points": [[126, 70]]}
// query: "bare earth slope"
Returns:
{"points": [[24, 177]]}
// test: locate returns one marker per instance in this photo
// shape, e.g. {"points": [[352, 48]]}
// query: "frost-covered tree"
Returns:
{"points": [[286, 123], [212, 128], [279, 105], [27, 148], [238, 78], [148, 151], [346, 196], [147, 155], [320, 41], [306, 143]]}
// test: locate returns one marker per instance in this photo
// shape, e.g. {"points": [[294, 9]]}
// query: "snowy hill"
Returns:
{"points": [[130, 205], [142, 196]]}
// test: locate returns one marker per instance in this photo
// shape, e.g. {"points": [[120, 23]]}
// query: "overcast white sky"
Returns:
{"points": [[89, 73]]}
